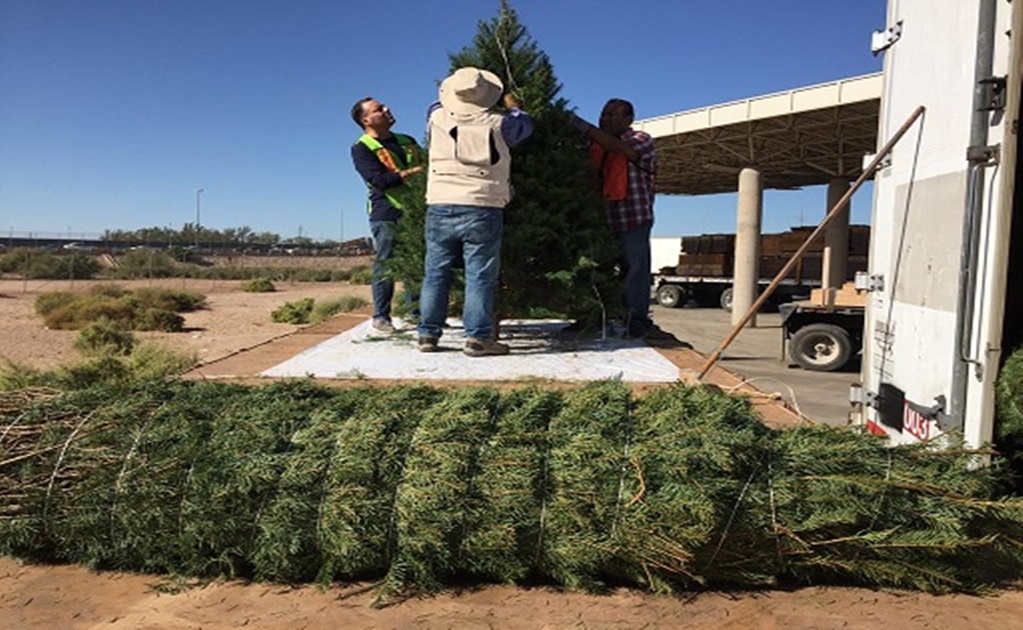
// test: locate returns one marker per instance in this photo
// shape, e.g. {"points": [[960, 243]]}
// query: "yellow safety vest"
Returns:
{"points": [[413, 157]]}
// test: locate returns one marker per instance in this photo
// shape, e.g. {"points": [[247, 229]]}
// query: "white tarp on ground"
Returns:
{"points": [[540, 349]]}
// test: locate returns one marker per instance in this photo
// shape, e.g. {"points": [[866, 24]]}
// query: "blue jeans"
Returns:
{"points": [[635, 246], [383, 287], [474, 234]]}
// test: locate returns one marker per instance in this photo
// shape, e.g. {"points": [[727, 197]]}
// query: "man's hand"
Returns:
{"points": [[410, 171], [511, 101]]}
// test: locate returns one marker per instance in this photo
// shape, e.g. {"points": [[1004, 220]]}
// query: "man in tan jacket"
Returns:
{"points": [[466, 191]]}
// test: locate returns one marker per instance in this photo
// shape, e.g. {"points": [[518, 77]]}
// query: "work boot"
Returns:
{"points": [[427, 344], [484, 348]]}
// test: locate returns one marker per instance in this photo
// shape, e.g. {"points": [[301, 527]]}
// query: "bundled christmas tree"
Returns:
{"points": [[1009, 415], [558, 255], [420, 487]]}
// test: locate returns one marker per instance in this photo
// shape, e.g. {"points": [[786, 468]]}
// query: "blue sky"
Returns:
{"points": [[112, 112]]}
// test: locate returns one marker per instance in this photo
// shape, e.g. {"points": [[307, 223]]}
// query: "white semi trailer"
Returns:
{"points": [[945, 269]]}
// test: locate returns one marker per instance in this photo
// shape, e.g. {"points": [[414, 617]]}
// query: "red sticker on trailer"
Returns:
{"points": [[876, 429], [915, 423]]}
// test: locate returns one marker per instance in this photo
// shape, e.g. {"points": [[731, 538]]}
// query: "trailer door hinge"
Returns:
{"points": [[864, 281], [885, 162], [858, 395], [994, 94], [883, 40]]}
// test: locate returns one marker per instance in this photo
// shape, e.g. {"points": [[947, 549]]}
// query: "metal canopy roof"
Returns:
{"points": [[801, 137]]}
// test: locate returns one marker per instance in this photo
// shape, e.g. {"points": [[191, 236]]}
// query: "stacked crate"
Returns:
{"points": [[713, 255]]}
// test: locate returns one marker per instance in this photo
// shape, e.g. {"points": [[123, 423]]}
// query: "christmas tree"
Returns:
{"points": [[558, 255]]}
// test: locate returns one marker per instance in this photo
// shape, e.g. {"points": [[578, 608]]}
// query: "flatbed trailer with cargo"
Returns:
{"points": [[672, 291], [704, 269]]}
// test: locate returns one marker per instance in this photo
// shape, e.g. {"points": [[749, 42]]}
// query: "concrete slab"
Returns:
{"points": [[540, 349], [756, 356]]}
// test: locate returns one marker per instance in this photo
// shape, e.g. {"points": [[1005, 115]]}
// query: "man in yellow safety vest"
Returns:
{"points": [[385, 160]]}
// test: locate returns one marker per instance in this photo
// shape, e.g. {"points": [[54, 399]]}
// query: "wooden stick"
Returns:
{"points": [[798, 255]]}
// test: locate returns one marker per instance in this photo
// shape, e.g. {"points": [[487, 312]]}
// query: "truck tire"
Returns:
{"points": [[726, 299], [670, 295], [821, 347]]}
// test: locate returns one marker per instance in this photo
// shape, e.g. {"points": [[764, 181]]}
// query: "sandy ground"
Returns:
{"points": [[233, 319], [74, 597]]}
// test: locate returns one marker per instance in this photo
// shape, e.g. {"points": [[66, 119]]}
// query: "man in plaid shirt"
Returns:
{"points": [[625, 159]]}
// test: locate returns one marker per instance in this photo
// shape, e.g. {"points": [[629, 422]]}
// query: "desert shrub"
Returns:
{"points": [[145, 361], [279, 274], [231, 273], [49, 302], [297, 312], [104, 337], [91, 372], [50, 267], [159, 319], [109, 289], [15, 375], [259, 285], [360, 275], [319, 275], [41, 266], [169, 299], [85, 309], [146, 263], [99, 307], [143, 309], [151, 360], [16, 260], [344, 304]]}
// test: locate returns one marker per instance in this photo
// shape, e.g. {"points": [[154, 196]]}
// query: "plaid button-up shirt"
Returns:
{"points": [[637, 208]]}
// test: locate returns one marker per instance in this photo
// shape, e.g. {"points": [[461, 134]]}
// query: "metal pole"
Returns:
{"points": [[198, 215], [834, 212], [974, 207]]}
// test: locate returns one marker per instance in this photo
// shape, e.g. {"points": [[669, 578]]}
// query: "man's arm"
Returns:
{"points": [[604, 139], [374, 172], [516, 125]]}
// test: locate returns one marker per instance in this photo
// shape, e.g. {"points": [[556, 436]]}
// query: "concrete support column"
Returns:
{"points": [[835, 259], [747, 243]]}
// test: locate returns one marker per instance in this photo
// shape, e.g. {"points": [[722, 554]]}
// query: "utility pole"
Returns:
{"points": [[198, 214]]}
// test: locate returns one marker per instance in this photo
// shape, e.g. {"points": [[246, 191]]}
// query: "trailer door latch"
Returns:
{"points": [[935, 412]]}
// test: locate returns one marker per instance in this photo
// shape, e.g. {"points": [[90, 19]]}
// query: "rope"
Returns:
{"points": [[774, 508], [728, 525], [60, 460], [124, 466], [325, 487], [545, 485], [507, 64], [623, 469], [792, 393]]}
